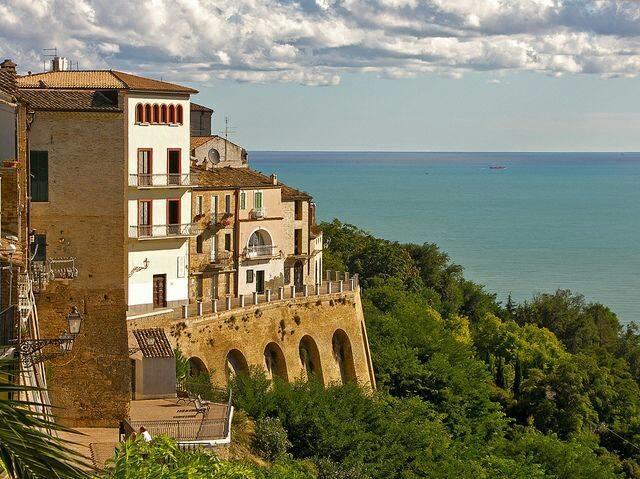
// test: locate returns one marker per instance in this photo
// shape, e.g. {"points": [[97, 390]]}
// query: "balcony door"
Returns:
{"points": [[173, 166], [144, 218], [144, 167], [298, 275], [173, 217]]}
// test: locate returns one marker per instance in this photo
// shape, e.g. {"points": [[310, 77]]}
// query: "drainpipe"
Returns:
{"points": [[236, 240]]}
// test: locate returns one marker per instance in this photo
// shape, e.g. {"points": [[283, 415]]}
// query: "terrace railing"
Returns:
{"points": [[144, 180], [162, 231], [260, 251]]}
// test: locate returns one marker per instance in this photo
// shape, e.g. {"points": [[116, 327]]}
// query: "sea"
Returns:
{"points": [[519, 223]]}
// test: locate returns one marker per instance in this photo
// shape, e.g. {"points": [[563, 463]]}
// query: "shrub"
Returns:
{"points": [[271, 440]]}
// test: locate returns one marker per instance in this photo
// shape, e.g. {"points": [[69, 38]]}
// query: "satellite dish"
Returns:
{"points": [[214, 156]]}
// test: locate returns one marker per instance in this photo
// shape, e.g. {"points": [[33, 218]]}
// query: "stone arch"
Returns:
{"points": [[343, 355], [235, 363], [274, 362], [197, 366], [310, 357]]}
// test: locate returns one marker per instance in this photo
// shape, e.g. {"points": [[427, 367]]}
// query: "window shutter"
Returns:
{"points": [[181, 266]]}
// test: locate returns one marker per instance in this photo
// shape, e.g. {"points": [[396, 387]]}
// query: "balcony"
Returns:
{"points": [[165, 180], [260, 251], [257, 214], [163, 231]]}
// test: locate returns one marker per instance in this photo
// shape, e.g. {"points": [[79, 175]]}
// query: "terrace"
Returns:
{"points": [[144, 180]]}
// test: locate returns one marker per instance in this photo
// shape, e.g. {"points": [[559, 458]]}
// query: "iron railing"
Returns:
{"points": [[183, 429], [260, 251], [144, 180], [162, 231]]}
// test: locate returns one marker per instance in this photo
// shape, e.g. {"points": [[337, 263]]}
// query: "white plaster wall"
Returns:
{"points": [[273, 269], [7, 131]]}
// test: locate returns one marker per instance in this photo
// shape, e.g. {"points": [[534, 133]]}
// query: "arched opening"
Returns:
{"points": [[179, 114], [147, 113], [139, 113], [163, 114], [156, 114], [196, 367], [172, 114], [235, 364], [310, 358], [274, 362], [259, 244], [343, 355]]}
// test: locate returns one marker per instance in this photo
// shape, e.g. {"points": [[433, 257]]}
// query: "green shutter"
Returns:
{"points": [[39, 166], [243, 200], [257, 200]]}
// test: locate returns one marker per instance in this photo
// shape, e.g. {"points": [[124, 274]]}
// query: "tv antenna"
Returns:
{"points": [[228, 130], [49, 54]]}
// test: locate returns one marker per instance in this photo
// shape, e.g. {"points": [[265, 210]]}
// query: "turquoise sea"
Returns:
{"points": [[546, 221]]}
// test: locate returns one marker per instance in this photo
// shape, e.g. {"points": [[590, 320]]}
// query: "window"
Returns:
{"points": [[144, 218], [214, 248], [163, 114], [297, 241], [227, 204], [39, 166], [287, 275], [298, 210], [199, 243], [257, 200], [214, 206], [249, 276], [199, 203], [243, 200], [227, 284], [227, 241], [179, 114], [39, 248], [155, 117], [139, 113], [172, 114], [147, 113]]}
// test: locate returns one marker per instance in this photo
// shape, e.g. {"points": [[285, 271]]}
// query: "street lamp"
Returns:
{"points": [[74, 318]]}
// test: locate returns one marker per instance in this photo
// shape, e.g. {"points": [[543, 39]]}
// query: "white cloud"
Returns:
{"points": [[314, 41]]}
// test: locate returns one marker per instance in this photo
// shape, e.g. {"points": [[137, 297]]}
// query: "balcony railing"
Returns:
{"points": [[257, 213], [143, 180], [162, 231], [260, 251]]}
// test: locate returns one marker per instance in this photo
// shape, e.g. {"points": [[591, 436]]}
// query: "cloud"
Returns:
{"points": [[314, 42]]}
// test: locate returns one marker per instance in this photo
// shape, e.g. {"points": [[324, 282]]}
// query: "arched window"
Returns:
{"points": [[147, 113], [139, 113], [163, 114], [179, 114], [156, 114], [172, 114]]}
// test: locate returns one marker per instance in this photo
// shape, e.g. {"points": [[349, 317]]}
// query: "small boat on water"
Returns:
{"points": [[497, 167]]}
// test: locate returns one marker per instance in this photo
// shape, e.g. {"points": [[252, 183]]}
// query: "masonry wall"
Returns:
{"points": [[85, 218], [284, 323]]}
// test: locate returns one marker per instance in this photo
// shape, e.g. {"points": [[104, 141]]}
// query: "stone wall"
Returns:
{"points": [[243, 335], [85, 218]]}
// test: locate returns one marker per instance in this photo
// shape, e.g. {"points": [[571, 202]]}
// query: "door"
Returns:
{"points": [[144, 167], [173, 167], [260, 281], [298, 273], [214, 286], [173, 217], [144, 218], [159, 290]]}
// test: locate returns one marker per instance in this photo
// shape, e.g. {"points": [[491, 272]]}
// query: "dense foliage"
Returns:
{"points": [[467, 387]]}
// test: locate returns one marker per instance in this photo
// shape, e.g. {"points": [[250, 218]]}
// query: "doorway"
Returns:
{"points": [[260, 281], [159, 290], [298, 275], [173, 217], [173, 167]]}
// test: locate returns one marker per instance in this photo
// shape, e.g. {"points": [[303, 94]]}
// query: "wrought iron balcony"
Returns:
{"points": [[164, 180], [260, 251], [163, 231]]}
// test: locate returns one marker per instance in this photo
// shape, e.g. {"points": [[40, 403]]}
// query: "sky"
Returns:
{"points": [[398, 75]]}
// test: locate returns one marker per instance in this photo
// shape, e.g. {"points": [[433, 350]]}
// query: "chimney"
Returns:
{"points": [[274, 179], [59, 64], [8, 66]]}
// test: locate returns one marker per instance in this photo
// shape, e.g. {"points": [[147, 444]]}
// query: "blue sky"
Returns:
{"points": [[456, 75]]}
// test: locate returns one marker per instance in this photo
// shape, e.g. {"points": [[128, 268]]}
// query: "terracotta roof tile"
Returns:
{"points": [[153, 343], [197, 141], [70, 100], [98, 79], [232, 178], [198, 107]]}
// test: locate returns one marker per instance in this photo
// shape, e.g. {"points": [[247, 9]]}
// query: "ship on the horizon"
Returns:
{"points": [[497, 167]]}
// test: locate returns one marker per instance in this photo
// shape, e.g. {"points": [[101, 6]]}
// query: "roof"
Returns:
{"points": [[96, 80], [197, 107], [70, 100], [198, 141], [153, 343], [233, 178]]}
